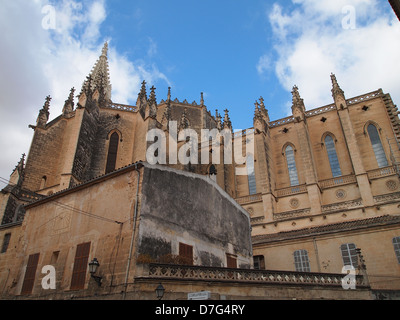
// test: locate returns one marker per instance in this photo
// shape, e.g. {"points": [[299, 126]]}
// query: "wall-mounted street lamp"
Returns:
{"points": [[160, 291], [93, 266]]}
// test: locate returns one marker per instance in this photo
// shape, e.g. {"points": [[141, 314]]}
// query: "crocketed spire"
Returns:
{"points": [[99, 77]]}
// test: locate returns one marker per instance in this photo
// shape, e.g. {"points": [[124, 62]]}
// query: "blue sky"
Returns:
{"points": [[201, 46], [232, 50]]}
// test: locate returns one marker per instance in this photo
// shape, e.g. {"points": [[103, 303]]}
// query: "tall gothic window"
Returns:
{"points": [[332, 156], [251, 175], [377, 146], [112, 153], [291, 163]]}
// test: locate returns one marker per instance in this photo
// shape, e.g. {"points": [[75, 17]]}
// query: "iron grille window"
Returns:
{"points": [[301, 262], [80, 266], [291, 163], [396, 244], [112, 153], [6, 242], [332, 156], [30, 274], [349, 254], [377, 146], [251, 175]]}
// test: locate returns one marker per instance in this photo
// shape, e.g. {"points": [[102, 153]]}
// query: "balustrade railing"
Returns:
{"points": [[248, 199], [164, 271], [122, 107], [291, 190], [337, 181], [382, 172]]}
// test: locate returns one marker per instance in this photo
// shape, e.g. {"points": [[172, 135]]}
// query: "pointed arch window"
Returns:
{"points": [[291, 163], [377, 146], [332, 156], [251, 175], [112, 153]]}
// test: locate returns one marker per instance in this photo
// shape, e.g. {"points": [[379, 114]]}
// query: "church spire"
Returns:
{"points": [[99, 77]]}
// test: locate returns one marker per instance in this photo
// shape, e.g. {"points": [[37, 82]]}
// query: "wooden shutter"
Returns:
{"points": [[231, 261], [80, 266], [186, 252], [30, 274], [112, 153]]}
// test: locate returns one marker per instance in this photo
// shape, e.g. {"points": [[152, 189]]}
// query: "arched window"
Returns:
{"points": [[251, 175], [291, 163], [112, 153], [43, 183], [396, 244], [332, 156], [377, 146], [301, 262]]}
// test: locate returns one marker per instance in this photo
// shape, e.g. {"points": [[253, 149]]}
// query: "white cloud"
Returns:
{"points": [[315, 39], [37, 61], [264, 64]]}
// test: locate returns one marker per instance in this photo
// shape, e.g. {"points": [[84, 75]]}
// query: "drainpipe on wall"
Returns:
{"points": [[133, 235], [317, 255]]}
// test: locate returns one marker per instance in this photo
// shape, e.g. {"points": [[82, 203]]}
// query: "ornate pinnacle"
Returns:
{"points": [[152, 98], [218, 118], [104, 51], [69, 103], [169, 94], [298, 102], [46, 106], [227, 120], [184, 124], [336, 90], [143, 93], [44, 114]]}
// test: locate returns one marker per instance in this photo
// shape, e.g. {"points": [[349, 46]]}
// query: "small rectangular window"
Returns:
{"points": [[6, 242], [301, 262], [259, 262], [231, 261], [349, 254], [186, 254]]}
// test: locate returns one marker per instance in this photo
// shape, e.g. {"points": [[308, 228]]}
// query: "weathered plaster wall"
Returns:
{"points": [[193, 210]]}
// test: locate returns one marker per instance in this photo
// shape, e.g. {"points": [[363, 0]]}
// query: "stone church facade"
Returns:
{"points": [[321, 186]]}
